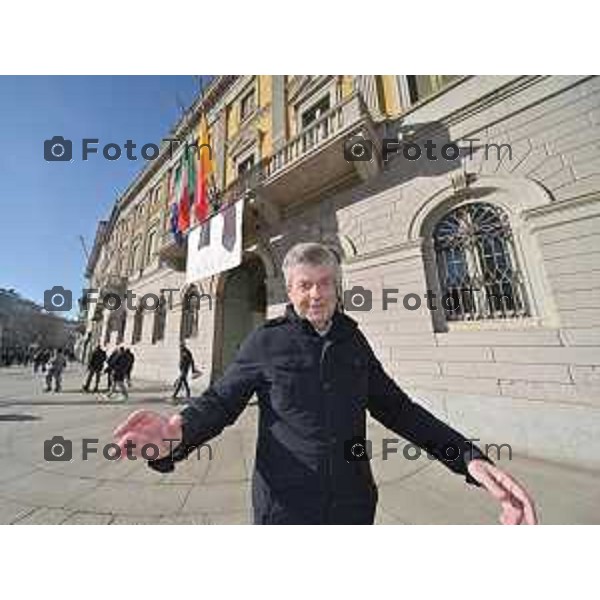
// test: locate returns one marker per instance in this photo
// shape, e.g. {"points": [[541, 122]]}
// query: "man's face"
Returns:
{"points": [[312, 292]]}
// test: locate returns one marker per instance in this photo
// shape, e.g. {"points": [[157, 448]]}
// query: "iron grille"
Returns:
{"points": [[477, 267]]}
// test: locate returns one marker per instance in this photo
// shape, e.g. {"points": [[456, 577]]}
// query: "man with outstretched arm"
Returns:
{"points": [[315, 376]]}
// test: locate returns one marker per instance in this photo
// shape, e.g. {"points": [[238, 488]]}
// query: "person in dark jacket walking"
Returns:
{"points": [[315, 376], [186, 363], [37, 360], [43, 357], [130, 362], [120, 366], [95, 366], [110, 365]]}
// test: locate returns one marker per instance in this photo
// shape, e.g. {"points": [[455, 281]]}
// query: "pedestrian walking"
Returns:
{"points": [[110, 369], [130, 361], [41, 360], [37, 360], [95, 366], [186, 364], [55, 370], [47, 357], [119, 373]]}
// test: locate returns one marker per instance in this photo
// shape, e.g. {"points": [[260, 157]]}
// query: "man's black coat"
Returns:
{"points": [[313, 392]]}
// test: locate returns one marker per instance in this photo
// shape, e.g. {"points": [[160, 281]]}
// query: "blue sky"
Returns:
{"points": [[47, 205]]}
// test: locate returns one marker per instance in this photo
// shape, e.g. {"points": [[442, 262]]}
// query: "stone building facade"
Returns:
{"points": [[513, 218]]}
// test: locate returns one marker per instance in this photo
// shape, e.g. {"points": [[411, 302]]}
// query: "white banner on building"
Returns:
{"points": [[216, 245]]}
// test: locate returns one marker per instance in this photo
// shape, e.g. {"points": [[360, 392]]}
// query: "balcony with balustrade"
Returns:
{"points": [[313, 161], [171, 253]]}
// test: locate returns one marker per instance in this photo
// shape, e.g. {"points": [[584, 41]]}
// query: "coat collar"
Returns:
{"points": [[341, 324]]}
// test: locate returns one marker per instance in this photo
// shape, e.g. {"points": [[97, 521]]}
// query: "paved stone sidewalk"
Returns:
{"points": [[216, 491]]}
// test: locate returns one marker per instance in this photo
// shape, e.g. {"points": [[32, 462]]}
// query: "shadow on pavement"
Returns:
{"points": [[19, 418]]}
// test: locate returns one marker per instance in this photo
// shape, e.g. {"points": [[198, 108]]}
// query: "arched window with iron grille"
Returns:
{"points": [[477, 267]]}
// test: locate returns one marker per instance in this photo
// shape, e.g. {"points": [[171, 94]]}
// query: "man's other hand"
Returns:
{"points": [[517, 506], [148, 427]]}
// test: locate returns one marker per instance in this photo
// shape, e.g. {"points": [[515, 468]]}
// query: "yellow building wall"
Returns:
{"points": [[347, 85], [265, 97], [232, 120], [391, 98], [264, 83], [229, 128]]}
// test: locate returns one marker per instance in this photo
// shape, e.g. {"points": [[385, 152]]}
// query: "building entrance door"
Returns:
{"points": [[243, 307]]}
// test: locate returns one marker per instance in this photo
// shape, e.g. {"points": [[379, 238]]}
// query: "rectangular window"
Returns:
{"points": [[316, 111], [421, 86], [150, 246], [247, 105], [157, 197], [133, 258], [245, 165]]}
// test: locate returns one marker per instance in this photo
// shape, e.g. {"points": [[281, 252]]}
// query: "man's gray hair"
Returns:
{"points": [[309, 253]]}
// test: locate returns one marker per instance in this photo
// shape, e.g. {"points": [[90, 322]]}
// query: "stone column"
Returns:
{"points": [[278, 111], [367, 87], [218, 148]]}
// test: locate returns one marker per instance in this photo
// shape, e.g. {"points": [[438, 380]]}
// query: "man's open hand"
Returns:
{"points": [[517, 506], [148, 427]]}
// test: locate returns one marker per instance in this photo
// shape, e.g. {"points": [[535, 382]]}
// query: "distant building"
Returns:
{"points": [[25, 325]]}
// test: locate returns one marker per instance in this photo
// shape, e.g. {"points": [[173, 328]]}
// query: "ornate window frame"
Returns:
{"points": [[477, 266], [514, 197]]}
